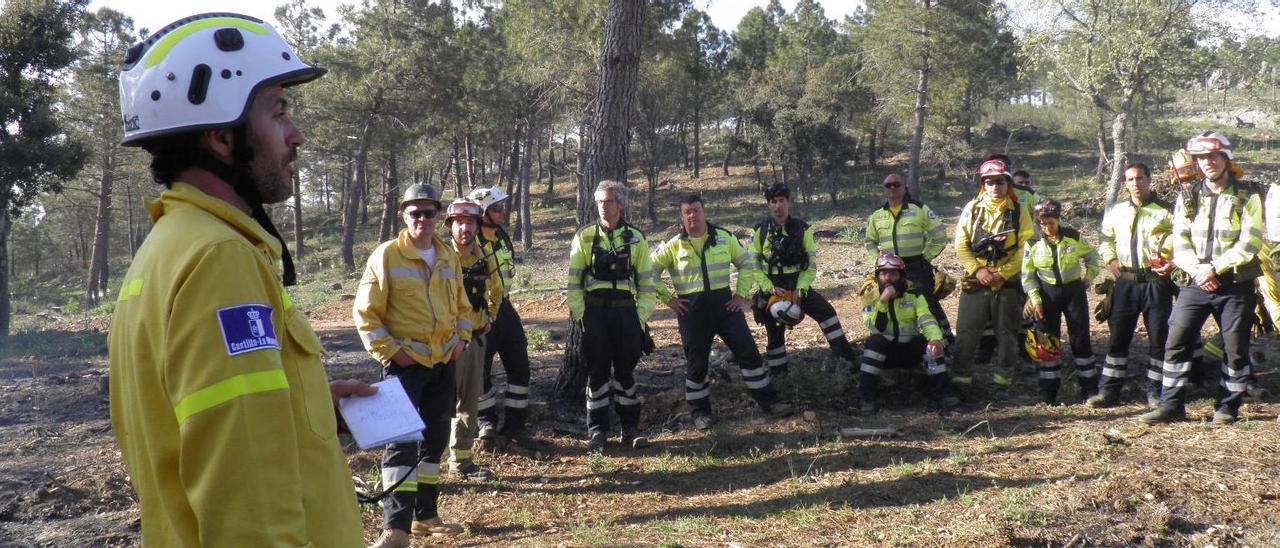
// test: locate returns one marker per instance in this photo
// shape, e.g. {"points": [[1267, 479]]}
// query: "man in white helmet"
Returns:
{"points": [[507, 339], [219, 400]]}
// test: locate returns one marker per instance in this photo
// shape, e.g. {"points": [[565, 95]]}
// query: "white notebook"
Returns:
{"points": [[382, 418]]}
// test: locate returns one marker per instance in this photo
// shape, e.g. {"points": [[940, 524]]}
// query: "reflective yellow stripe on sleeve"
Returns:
{"points": [[132, 288], [288, 301], [229, 389]]}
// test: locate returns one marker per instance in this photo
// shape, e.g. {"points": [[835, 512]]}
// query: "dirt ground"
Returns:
{"points": [[1008, 472]]}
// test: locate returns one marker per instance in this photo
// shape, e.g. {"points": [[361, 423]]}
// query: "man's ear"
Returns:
{"points": [[219, 143]]}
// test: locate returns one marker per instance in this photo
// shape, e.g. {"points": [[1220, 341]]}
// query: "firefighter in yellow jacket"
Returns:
{"points": [[1055, 287], [218, 397], [484, 293], [990, 235], [411, 313], [700, 258], [610, 286]]}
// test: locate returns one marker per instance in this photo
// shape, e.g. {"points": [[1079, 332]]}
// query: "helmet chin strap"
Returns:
{"points": [[240, 176]]}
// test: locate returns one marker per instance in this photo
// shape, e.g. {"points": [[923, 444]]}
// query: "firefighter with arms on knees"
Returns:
{"points": [[412, 315], [1055, 288], [507, 339], [990, 235], [219, 400], [903, 334], [610, 291], [909, 229], [484, 293], [788, 259], [1131, 229], [700, 259], [1217, 236]]}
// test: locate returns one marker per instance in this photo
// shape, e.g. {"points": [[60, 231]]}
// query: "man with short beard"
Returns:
{"points": [[1131, 231], [219, 400], [1217, 235]]}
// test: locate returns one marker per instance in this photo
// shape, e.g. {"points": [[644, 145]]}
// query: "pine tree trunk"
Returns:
{"points": [[611, 121], [297, 216], [917, 136], [525, 228], [469, 162], [6, 224], [390, 200], [697, 139], [354, 198], [96, 287], [1119, 157]]}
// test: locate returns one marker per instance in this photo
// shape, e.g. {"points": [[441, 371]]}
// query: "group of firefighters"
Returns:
{"points": [[226, 420]]}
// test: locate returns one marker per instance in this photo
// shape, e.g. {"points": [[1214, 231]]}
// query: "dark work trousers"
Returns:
{"points": [[814, 306], [879, 352], [432, 391], [1232, 307], [1067, 300], [705, 319], [612, 342], [506, 340], [1154, 301], [978, 307], [920, 273]]}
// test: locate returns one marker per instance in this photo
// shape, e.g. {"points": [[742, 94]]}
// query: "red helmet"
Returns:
{"points": [[890, 262], [994, 168], [1048, 208], [1209, 142], [462, 208]]}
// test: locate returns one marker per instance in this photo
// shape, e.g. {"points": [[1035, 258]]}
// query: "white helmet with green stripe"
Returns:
{"points": [[201, 72]]}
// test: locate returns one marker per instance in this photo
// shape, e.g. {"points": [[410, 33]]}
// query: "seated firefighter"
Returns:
{"points": [[903, 333]]}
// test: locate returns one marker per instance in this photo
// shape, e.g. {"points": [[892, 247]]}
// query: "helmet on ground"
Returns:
{"points": [[462, 207], [943, 285], [1183, 167], [421, 191], [785, 311], [1048, 207], [994, 168], [1209, 142], [890, 262], [201, 72], [1043, 347], [777, 189], [486, 197]]}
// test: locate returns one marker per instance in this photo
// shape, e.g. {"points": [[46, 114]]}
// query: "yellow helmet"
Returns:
{"points": [[784, 310], [1043, 347]]}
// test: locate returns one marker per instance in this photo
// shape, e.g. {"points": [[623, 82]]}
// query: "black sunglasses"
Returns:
{"points": [[893, 185], [423, 213]]}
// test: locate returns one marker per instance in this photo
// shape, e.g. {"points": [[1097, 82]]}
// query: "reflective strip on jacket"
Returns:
{"points": [[761, 248], [683, 258], [400, 305], [1057, 263], [915, 231], [1236, 234], [1009, 266], [905, 318], [1128, 239], [219, 400], [580, 262]]}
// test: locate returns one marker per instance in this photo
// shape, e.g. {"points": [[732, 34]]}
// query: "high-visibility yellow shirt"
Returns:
{"points": [[684, 257], [401, 304], [1130, 233], [491, 288], [1225, 232], [623, 239], [763, 238], [975, 218], [903, 319], [1057, 262], [219, 400], [910, 231]]}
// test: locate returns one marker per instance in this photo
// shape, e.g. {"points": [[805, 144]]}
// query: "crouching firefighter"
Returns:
{"points": [[788, 258], [700, 259], [903, 333], [1055, 287], [507, 339], [610, 291]]}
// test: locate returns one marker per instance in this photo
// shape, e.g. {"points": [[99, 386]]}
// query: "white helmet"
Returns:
{"points": [[487, 196], [786, 312], [201, 72]]}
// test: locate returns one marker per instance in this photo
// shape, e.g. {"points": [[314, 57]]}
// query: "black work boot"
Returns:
{"points": [[1164, 413]]}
